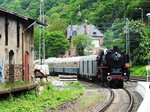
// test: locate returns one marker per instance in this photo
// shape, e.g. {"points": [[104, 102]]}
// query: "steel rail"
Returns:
{"points": [[131, 101], [108, 102]]}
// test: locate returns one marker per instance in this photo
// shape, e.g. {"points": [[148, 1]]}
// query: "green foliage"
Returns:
{"points": [[102, 13], [36, 42], [33, 102], [113, 35], [82, 42], [57, 24], [55, 44], [138, 43], [138, 71], [10, 85]]}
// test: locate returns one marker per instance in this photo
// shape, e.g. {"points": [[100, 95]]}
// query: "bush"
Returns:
{"points": [[33, 102], [138, 71]]}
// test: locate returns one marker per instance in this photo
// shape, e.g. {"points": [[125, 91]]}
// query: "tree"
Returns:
{"points": [[55, 44], [139, 43], [36, 42], [57, 24], [82, 42], [113, 35]]}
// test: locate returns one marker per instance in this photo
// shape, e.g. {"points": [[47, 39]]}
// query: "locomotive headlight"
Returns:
{"points": [[108, 73], [124, 73]]}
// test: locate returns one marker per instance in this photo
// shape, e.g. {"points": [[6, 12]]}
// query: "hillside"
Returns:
{"points": [[102, 13]]}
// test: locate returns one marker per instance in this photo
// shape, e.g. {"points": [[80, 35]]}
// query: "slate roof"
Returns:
{"points": [[91, 30]]}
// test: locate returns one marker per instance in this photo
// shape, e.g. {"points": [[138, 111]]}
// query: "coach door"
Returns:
{"points": [[11, 66], [26, 66]]}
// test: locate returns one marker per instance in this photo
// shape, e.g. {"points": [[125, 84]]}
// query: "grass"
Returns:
{"points": [[8, 86], [138, 71], [33, 102], [88, 101]]}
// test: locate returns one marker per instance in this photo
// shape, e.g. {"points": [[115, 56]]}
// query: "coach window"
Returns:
{"points": [[87, 66], [83, 66], [92, 67]]}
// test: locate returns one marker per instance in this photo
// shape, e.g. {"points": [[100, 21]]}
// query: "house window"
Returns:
{"points": [[74, 33], [18, 33], [6, 30]]}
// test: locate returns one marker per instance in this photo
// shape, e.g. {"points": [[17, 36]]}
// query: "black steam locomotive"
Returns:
{"points": [[113, 67]]}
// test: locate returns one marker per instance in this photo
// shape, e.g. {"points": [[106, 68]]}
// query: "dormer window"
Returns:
{"points": [[94, 33]]}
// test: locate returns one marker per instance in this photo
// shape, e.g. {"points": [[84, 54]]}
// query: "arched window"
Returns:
{"points": [[11, 66]]}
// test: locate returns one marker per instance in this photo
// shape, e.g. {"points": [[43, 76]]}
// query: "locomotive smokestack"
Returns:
{"points": [[115, 48]]}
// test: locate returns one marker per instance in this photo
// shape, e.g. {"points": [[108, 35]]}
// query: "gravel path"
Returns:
{"points": [[93, 98]]}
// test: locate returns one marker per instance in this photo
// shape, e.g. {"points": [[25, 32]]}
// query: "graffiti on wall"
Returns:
{"points": [[2, 63]]}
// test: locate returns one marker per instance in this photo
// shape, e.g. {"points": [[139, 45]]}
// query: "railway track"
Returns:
{"points": [[111, 103], [108, 102], [138, 78]]}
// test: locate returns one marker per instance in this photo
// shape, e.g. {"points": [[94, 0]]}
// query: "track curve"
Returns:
{"points": [[121, 100]]}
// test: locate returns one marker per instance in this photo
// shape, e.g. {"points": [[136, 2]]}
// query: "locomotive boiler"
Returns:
{"points": [[113, 67]]}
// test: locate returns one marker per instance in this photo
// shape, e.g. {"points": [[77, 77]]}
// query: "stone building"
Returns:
{"points": [[16, 46], [86, 29]]}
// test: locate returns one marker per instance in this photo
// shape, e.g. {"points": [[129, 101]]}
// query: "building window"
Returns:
{"points": [[6, 30], [18, 33], [74, 33]]}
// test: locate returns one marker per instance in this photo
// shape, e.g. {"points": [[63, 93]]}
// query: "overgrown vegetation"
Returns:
{"points": [[10, 85], [82, 43], [33, 102], [138, 71]]}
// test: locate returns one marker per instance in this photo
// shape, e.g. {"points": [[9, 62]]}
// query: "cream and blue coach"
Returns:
{"points": [[50, 63], [83, 66], [71, 65], [58, 66]]}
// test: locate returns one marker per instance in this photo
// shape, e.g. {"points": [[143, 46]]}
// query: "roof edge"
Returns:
{"points": [[22, 17]]}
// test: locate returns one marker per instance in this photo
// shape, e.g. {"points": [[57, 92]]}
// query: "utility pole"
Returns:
{"points": [[127, 39], [41, 38], [141, 13], [148, 15]]}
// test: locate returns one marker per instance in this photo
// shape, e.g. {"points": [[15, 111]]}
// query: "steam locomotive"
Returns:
{"points": [[113, 67]]}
